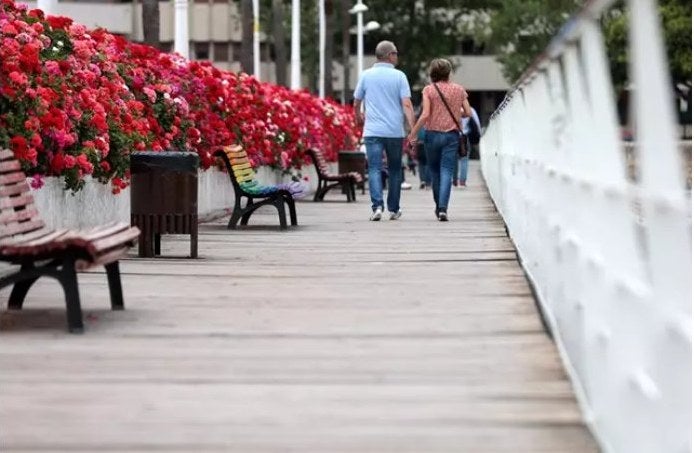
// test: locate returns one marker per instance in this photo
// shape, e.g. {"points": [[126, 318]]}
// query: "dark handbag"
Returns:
{"points": [[462, 139]]}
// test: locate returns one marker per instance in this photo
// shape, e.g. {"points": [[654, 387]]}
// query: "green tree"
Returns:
{"points": [[421, 29], [519, 30], [676, 22]]}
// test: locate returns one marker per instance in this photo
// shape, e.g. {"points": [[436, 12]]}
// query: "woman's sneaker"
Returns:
{"points": [[443, 216], [377, 214]]}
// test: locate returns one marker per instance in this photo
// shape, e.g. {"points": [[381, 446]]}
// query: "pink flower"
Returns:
{"points": [[37, 181]]}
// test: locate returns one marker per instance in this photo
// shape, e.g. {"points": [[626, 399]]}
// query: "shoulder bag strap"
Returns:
{"points": [[457, 122]]}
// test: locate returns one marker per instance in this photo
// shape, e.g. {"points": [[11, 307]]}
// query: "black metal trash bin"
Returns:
{"points": [[164, 198], [348, 161]]}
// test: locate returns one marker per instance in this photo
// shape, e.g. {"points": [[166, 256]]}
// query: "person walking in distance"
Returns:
{"points": [[385, 94], [442, 104], [471, 129]]}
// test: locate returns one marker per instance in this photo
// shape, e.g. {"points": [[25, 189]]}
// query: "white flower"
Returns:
{"points": [[60, 44]]}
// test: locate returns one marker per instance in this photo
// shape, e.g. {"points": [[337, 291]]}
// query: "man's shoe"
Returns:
{"points": [[443, 216], [376, 216], [405, 186], [396, 215]]}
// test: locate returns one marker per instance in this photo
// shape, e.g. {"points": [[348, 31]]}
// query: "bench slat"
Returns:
{"points": [[15, 202], [18, 216], [19, 228], [14, 189], [248, 178], [6, 154], [243, 173], [54, 241], [106, 258], [10, 165], [241, 166], [17, 239], [237, 154], [11, 178], [119, 239], [103, 230]]}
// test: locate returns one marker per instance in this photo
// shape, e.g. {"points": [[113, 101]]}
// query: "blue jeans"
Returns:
{"points": [[422, 166], [375, 146], [461, 165], [442, 154]]}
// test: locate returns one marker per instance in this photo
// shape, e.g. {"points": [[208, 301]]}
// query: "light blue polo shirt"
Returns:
{"points": [[382, 88]]}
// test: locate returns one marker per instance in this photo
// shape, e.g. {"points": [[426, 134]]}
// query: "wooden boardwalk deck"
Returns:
{"points": [[341, 335]]}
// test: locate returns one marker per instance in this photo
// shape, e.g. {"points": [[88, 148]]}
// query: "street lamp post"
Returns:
{"points": [[256, 39], [295, 83], [321, 48], [181, 43], [359, 9]]}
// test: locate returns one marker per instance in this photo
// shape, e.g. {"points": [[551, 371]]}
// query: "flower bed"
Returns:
{"points": [[75, 102]]}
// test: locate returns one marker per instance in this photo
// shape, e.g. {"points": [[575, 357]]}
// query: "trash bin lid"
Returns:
{"points": [[142, 161]]}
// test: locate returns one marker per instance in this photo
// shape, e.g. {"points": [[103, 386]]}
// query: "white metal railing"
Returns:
{"points": [[610, 260]]}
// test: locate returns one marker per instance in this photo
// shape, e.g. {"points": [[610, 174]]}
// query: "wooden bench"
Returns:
{"points": [[247, 186], [41, 251], [326, 180]]}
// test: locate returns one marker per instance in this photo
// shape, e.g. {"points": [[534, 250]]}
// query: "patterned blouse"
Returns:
{"points": [[439, 119]]}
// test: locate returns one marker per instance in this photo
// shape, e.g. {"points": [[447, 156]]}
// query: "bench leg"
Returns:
{"points": [[68, 279], [353, 189], [316, 196], [235, 217], [292, 210], [248, 212], [20, 289], [346, 190], [157, 244], [194, 242], [114, 286], [279, 204]]}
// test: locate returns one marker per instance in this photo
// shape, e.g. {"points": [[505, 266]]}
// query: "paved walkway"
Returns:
{"points": [[341, 335]]}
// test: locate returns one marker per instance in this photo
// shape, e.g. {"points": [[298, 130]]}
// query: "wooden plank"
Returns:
{"points": [[14, 189], [340, 335], [10, 166], [20, 228], [6, 154]]}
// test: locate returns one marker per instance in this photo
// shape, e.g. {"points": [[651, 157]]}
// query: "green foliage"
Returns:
{"points": [[519, 30], [676, 18], [60, 47]]}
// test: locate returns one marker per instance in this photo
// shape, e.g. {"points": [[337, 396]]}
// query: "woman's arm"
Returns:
{"points": [[467, 111], [426, 111]]}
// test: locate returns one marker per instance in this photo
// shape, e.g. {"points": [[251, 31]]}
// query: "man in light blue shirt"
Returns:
{"points": [[385, 94]]}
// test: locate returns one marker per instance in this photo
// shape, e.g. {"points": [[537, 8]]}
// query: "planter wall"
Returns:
{"points": [[96, 205]]}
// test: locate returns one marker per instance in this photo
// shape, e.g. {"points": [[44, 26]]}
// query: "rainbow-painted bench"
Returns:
{"points": [[247, 186]]}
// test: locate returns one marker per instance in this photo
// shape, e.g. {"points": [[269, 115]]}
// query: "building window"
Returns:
{"points": [[235, 51], [202, 50], [221, 51]]}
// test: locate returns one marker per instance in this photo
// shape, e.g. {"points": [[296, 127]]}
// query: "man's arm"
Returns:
{"points": [[409, 112], [358, 115]]}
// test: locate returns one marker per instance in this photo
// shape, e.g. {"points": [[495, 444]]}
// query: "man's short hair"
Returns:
{"points": [[385, 48], [440, 70]]}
